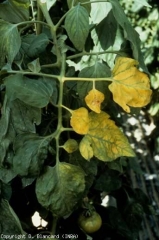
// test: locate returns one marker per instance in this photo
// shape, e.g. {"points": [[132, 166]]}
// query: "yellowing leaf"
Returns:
{"points": [[70, 145], [104, 139], [80, 120], [130, 87], [94, 100]]}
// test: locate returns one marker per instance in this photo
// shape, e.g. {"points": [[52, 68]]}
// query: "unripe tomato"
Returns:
{"points": [[90, 224]]}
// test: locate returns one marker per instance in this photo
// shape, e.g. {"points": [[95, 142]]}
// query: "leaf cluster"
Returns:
{"points": [[65, 79]]}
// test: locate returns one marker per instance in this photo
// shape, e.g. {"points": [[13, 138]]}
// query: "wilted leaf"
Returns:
{"points": [[33, 92], [10, 42], [80, 120], [77, 26], [94, 99], [130, 87], [30, 153], [70, 145], [15, 11], [59, 188], [107, 25], [9, 223], [75, 2], [104, 139], [129, 33]]}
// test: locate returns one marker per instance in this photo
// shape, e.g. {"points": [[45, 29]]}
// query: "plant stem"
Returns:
{"points": [[35, 74], [87, 79], [53, 230], [39, 18], [93, 2], [92, 53], [32, 22], [61, 19]]}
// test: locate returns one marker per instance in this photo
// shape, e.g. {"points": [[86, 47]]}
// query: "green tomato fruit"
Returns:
{"points": [[91, 223]]}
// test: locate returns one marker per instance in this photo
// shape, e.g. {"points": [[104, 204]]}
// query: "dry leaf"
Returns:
{"points": [[80, 120], [130, 87], [104, 139], [94, 100], [70, 145]]}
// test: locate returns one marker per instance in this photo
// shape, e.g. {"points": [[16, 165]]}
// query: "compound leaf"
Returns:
{"points": [[94, 99], [104, 139], [80, 120], [77, 26], [130, 87], [59, 188], [10, 42]]}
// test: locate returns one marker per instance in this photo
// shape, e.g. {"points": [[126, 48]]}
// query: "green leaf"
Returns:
{"points": [[96, 71], [35, 93], [38, 45], [9, 223], [15, 11], [75, 2], [108, 181], [77, 26], [34, 66], [10, 42], [106, 31], [59, 188], [99, 11], [24, 117], [30, 153], [129, 33]]}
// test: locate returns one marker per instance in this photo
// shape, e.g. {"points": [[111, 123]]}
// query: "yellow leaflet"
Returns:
{"points": [[70, 145], [94, 100], [80, 120], [130, 87], [104, 139]]}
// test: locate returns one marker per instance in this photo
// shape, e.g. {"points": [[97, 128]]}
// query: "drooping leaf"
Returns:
{"points": [[9, 223], [106, 31], [129, 32], [80, 120], [10, 42], [75, 2], [35, 93], [94, 99], [104, 139], [30, 153], [70, 145], [14, 11], [98, 70], [130, 87], [59, 188], [77, 26]]}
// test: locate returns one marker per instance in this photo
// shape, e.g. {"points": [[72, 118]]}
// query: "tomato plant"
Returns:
{"points": [[69, 72]]}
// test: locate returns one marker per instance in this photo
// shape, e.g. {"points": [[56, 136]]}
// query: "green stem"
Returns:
{"points": [[87, 79], [53, 28], [53, 230], [35, 74], [93, 2], [92, 53], [62, 19], [39, 18], [32, 22]]}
